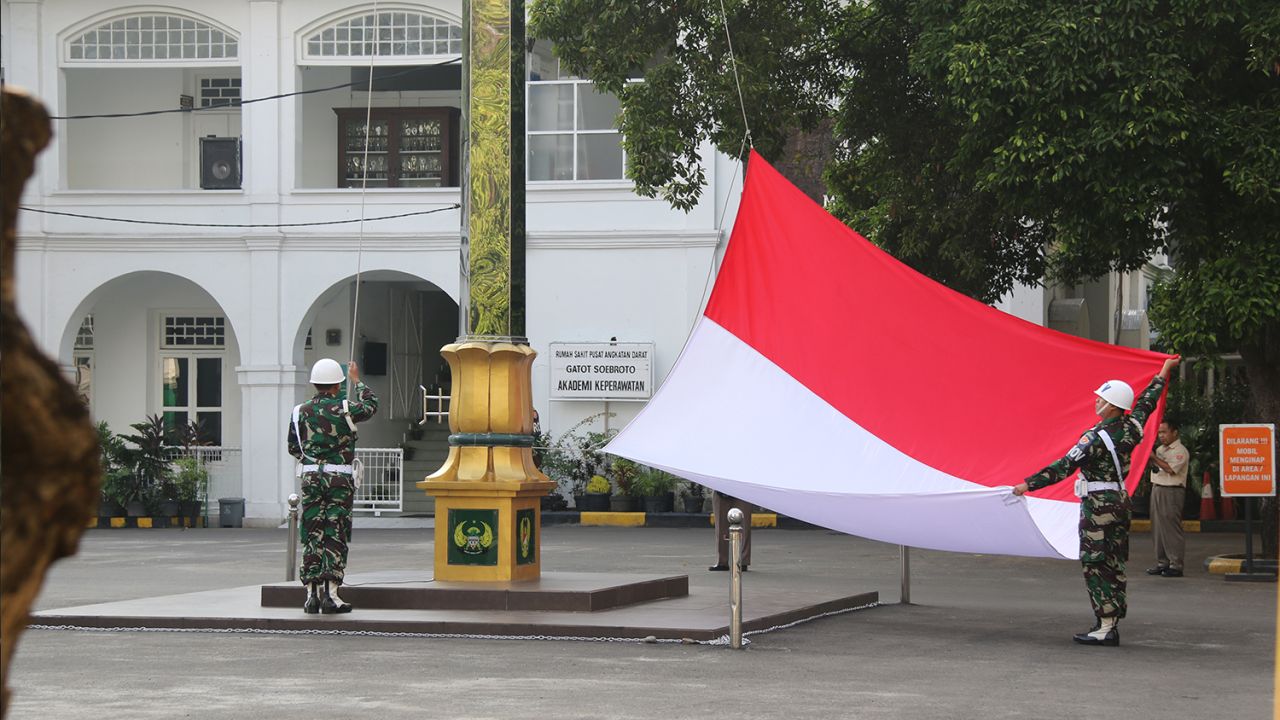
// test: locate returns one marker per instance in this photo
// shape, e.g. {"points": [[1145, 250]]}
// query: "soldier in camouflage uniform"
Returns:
{"points": [[322, 436], [1102, 456]]}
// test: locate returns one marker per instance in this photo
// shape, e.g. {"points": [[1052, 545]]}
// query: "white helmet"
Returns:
{"points": [[329, 372], [1116, 392]]}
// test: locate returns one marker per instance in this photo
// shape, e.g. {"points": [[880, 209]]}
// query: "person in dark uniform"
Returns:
{"points": [[720, 505], [1102, 456]]}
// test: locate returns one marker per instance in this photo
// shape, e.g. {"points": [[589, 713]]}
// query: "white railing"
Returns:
{"points": [[224, 466], [441, 413], [381, 489]]}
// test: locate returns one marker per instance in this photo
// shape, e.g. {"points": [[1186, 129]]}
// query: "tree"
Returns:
{"points": [[990, 142]]}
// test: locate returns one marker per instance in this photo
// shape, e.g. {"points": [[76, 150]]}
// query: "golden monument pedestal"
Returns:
{"points": [[488, 492]]}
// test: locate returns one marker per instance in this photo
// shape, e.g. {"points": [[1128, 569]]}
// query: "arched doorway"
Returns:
{"points": [[402, 322], [154, 343]]}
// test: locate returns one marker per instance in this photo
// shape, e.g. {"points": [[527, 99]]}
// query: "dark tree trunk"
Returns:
{"points": [[49, 487], [1262, 364]]}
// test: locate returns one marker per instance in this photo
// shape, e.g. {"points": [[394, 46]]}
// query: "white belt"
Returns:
{"points": [[341, 469], [1099, 486]]}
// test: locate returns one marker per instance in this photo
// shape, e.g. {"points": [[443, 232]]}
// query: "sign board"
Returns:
{"points": [[601, 371], [1248, 460]]}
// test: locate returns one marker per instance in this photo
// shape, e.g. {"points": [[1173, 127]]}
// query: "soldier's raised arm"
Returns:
{"points": [[1146, 402], [365, 403]]}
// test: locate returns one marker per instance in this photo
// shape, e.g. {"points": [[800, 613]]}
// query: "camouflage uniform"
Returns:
{"points": [[326, 496], [1104, 514]]}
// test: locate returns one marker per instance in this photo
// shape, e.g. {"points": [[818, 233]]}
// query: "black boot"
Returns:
{"points": [[1106, 632], [312, 605], [330, 603]]}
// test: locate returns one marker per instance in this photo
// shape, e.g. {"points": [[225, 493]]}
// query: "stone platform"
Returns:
{"points": [[565, 592], [583, 605]]}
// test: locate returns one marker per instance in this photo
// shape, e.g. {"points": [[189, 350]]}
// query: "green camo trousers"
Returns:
{"points": [[326, 525], [1104, 549]]}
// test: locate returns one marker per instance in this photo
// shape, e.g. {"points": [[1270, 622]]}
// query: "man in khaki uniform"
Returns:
{"points": [[1168, 493]]}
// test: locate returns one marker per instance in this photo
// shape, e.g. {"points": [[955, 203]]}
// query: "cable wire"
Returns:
{"points": [[250, 101], [733, 64], [454, 206]]}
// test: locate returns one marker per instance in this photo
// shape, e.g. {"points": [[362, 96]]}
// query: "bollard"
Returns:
{"points": [[906, 575], [735, 589], [291, 569]]}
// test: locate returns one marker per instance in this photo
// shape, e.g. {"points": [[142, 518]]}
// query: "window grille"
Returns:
{"points": [[84, 336], [219, 92], [395, 34], [194, 331], [152, 37]]}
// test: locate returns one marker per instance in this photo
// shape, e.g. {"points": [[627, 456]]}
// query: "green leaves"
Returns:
{"points": [[985, 142]]}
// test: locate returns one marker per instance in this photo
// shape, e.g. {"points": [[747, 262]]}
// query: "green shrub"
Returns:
{"points": [[597, 485]]}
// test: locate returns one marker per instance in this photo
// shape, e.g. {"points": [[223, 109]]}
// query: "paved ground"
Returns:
{"points": [[985, 637]]}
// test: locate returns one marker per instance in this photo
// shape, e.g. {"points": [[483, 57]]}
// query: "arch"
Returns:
{"points": [[149, 34], [71, 324], [335, 286], [405, 32]]}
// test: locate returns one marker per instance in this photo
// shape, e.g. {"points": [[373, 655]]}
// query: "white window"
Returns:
{"points": [[572, 128], [149, 37], [388, 34], [191, 372], [82, 358], [191, 391]]}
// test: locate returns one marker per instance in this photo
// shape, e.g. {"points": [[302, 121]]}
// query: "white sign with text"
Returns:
{"points": [[601, 371]]}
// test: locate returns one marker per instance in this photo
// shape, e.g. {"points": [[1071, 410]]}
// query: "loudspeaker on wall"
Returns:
{"points": [[219, 163]]}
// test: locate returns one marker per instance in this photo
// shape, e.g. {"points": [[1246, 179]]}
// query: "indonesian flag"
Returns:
{"points": [[831, 383]]}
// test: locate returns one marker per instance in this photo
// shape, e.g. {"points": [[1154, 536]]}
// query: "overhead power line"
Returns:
{"points": [[133, 221], [250, 101]]}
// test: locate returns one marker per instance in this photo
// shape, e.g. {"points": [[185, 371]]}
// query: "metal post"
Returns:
{"points": [[1248, 536], [906, 574], [291, 566], [735, 588]]}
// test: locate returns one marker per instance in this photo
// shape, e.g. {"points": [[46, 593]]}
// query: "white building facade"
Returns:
{"points": [[219, 324]]}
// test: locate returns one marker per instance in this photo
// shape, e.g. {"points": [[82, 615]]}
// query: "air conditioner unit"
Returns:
{"points": [[1070, 315], [219, 163], [1135, 330]]}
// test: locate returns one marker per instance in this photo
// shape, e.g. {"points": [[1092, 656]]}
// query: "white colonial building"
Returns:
{"points": [[214, 323], [220, 323]]}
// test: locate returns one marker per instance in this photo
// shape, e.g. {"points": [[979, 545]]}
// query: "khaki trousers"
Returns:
{"points": [[720, 505], [1166, 524]]}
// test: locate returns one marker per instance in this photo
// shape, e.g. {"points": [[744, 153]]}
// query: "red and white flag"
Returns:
{"points": [[833, 384]]}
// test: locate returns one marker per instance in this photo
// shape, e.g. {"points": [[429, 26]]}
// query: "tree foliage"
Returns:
{"points": [[987, 142]]}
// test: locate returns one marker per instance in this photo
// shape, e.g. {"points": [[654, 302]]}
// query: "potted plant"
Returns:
{"points": [[694, 497], [656, 487], [414, 432], [573, 459], [192, 481], [115, 473], [596, 496], [624, 474], [150, 471]]}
